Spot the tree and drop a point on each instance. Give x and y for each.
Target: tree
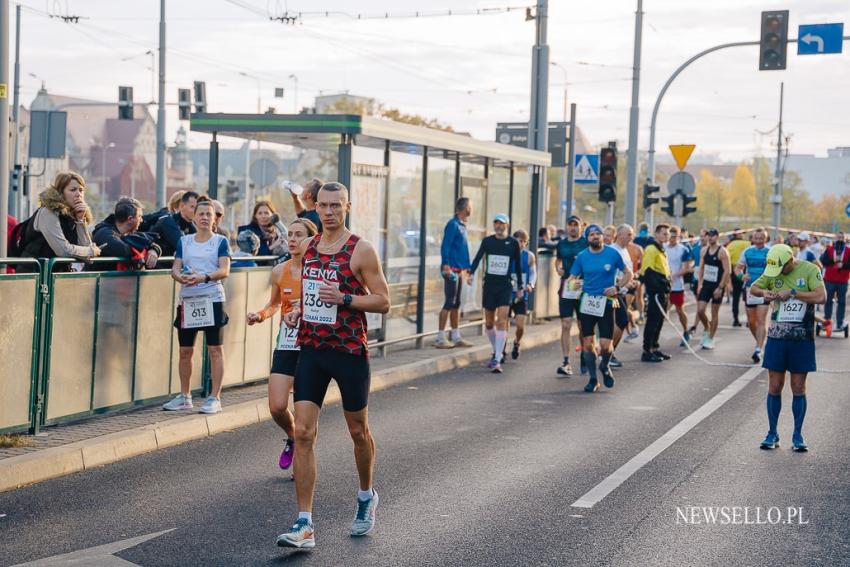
(743, 195)
(712, 195)
(372, 108)
(797, 206)
(764, 187)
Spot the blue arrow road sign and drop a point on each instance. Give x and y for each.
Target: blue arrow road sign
(819, 39)
(586, 169)
(847, 210)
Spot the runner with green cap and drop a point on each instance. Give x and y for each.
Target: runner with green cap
(793, 287)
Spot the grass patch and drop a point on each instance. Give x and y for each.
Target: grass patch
(7, 441)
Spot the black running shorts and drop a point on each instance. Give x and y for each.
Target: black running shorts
(497, 295)
(706, 294)
(285, 362)
(214, 335)
(605, 324)
(316, 369)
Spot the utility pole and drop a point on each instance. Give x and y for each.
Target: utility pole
(632, 167)
(538, 126)
(777, 185)
(160, 114)
(4, 126)
(572, 160)
(16, 94)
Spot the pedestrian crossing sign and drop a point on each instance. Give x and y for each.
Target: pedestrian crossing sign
(586, 169)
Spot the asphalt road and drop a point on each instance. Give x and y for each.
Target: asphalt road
(481, 469)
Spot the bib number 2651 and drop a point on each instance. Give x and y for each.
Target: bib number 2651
(316, 310)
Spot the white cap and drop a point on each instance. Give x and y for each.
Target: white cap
(804, 236)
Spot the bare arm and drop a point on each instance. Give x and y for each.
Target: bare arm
(367, 268)
(274, 301)
(727, 274)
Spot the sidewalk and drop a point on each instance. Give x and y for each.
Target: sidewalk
(112, 437)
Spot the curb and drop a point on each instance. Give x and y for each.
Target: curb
(47, 464)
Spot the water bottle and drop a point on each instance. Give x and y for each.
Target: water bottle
(293, 187)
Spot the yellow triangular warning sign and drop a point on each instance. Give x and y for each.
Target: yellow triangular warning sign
(682, 153)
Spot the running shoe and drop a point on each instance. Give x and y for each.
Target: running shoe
(592, 386)
(827, 327)
(615, 362)
(462, 343)
(300, 535)
(565, 370)
(443, 343)
(771, 441)
(709, 344)
(492, 364)
(607, 379)
(797, 443)
(736, 323)
(757, 356)
(634, 334)
(650, 357)
(287, 454)
(686, 338)
(497, 369)
(211, 405)
(504, 357)
(181, 402)
(662, 356)
(515, 351)
(364, 520)
(705, 338)
(692, 330)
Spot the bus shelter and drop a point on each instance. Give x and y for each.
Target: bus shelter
(403, 182)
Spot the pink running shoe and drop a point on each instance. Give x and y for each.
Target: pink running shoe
(287, 454)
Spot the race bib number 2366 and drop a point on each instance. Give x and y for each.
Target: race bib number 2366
(316, 310)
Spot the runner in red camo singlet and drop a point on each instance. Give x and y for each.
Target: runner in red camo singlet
(341, 281)
(348, 332)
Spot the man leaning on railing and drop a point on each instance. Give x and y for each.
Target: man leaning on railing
(118, 236)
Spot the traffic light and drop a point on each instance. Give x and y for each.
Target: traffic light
(686, 200)
(648, 199)
(15, 179)
(608, 174)
(669, 205)
(125, 103)
(200, 96)
(184, 104)
(773, 47)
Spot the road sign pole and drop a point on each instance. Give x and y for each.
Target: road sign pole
(571, 164)
(160, 114)
(777, 186)
(538, 126)
(632, 167)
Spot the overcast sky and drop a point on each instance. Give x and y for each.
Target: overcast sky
(467, 71)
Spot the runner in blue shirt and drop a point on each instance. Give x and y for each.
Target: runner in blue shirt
(750, 268)
(597, 266)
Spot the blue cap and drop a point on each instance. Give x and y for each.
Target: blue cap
(592, 228)
(501, 217)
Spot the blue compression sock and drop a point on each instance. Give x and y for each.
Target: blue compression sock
(774, 406)
(798, 407)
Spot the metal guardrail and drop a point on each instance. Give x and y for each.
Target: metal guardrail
(101, 341)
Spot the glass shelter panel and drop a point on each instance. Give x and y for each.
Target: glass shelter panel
(403, 230)
(521, 213)
(440, 207)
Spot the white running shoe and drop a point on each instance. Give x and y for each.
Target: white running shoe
(300, 535)
(364, 520)
(211, 405)
(181, 402)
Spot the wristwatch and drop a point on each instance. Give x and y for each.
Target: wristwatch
(793, 292)
(346, 300)
(207, 278)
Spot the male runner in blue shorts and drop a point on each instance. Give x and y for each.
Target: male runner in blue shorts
(794, 287)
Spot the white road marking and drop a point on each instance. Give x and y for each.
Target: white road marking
(621, 475)
(100, 556)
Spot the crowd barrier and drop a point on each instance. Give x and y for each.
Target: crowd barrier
(74, 344)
